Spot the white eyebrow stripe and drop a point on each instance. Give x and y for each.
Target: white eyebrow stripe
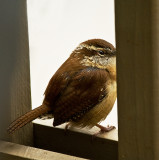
(81, 46)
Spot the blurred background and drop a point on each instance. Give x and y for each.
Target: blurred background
(56, 27)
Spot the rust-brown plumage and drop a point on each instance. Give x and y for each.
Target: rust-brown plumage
(84, 83)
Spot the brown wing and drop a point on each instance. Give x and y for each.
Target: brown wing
(84, 91)
(60, 81)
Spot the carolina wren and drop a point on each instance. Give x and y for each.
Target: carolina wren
(82, 91)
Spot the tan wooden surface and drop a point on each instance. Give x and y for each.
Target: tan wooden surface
(77, 142)
(12, 151)
(15, 96)
(137, 39)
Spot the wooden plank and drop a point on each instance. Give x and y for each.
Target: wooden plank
(14, 68)
(19, 152)
(137, 39)
(76, 142)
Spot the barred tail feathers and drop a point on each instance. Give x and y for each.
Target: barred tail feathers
(27, 117)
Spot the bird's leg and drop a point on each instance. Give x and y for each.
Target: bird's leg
(103, 129)
(67, 126)
(46, 116)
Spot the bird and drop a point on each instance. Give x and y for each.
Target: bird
(82, 91)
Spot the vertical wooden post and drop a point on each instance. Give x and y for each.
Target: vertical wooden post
(15, 98)
(137, 37)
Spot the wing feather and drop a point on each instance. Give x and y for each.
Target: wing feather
(84, 91)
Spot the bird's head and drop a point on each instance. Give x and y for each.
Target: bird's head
(96, 53)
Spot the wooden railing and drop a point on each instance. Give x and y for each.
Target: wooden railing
(137, 38)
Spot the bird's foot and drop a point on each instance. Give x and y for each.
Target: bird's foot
(103, 129)
(66, 128)
(45, 116)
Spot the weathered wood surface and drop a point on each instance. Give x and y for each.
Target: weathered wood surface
(77, 142)
(137, 41)
(15, 98)
(12, 151)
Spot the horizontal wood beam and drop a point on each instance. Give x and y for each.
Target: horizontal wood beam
(12, 151)
(77, 142)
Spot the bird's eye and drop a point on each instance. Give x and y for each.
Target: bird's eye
(101, 53)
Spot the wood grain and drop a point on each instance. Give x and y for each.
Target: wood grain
(15, 97)
(20, 152)
(137, 39)
(76, 142)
